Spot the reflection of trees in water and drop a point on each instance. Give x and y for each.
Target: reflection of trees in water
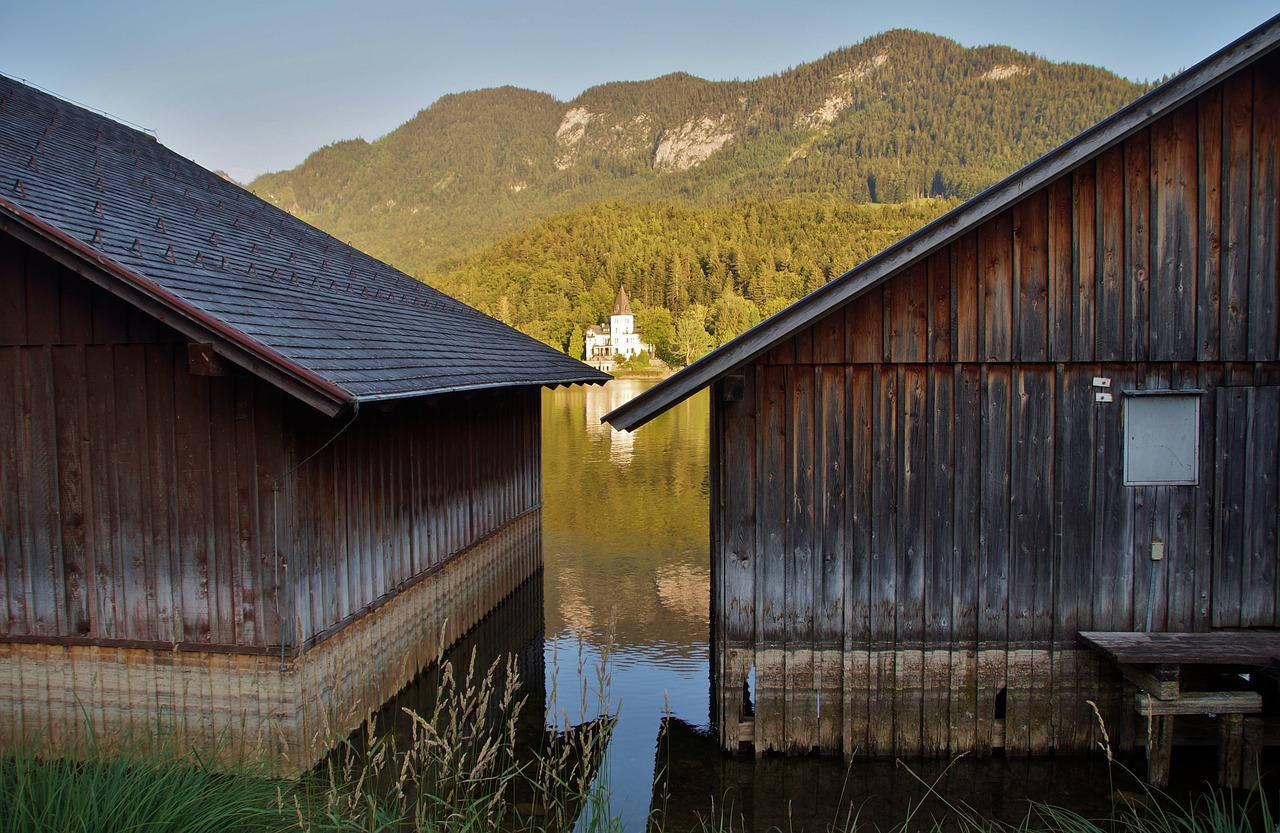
(684, 590)
(575, 612)
(628, 536)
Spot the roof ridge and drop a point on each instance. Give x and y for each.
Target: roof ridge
(123, 122)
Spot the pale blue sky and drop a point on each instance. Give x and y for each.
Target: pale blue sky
(249, 86)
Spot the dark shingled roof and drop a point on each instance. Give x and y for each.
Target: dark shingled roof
(288, 302)
(916, 247)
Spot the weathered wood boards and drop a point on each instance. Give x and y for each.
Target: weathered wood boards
(1154, 663)
(940, 492)
(249, 705)
(1235, 647)
(172, 502)
(169, 539)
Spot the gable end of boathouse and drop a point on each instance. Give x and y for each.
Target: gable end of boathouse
(1053, 410)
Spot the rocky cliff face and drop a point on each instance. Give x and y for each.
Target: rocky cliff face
(583, 134)
(690, 143)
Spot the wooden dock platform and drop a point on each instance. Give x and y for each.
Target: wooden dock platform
(1225, 647)
(1154, 665)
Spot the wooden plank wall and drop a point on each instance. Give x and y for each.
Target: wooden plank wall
(124, 475)
(413, 487)
(137, 499)
(1162, 249)
(246, 706)
(980, 518)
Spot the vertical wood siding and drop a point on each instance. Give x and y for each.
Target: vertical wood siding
(979, 516)
(239, 706)
(144, 505)
(920, 502)
(401, 496)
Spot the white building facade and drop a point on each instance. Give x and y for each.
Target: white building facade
(605, 344)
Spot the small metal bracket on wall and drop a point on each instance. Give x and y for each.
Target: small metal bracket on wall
(1102, 389)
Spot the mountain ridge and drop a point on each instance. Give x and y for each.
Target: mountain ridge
(899, 116)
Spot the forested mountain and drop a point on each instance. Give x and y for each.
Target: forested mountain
(901, 115)
(696, 277)
(710, 167)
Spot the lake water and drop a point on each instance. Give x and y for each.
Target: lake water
(627, 574)
(626, 541)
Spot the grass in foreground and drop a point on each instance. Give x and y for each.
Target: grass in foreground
(460, 769)
(457, 770)
(133, 789)
(1215, 812)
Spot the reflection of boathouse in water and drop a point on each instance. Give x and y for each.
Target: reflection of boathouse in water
(1053, 410)
(248, 473)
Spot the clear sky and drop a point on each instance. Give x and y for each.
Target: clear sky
(249, 86)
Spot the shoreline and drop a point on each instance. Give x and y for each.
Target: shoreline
(644, 375)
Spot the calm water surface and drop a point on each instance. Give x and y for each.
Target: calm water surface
(627, 574)
(626, 541)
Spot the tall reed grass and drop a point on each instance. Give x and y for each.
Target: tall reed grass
(1214, 811)
(465, 767)
(462, 767)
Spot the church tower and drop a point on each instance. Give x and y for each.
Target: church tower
(622, 322)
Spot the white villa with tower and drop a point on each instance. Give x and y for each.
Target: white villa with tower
(605, 343)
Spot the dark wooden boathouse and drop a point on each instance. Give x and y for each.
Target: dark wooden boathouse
(1053, 410)
(251, 479)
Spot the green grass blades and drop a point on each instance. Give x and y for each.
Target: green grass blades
(138, 787)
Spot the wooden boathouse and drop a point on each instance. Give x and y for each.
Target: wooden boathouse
(1052, 411)
(249, 476)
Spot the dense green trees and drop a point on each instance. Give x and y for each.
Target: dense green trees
(692, 340)
(696, 277)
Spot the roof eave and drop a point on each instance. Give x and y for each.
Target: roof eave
(965, 217)
(170, 309)
(448, 389)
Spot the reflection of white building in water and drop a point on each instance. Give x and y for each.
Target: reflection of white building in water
(617, 338)
(602, 400)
